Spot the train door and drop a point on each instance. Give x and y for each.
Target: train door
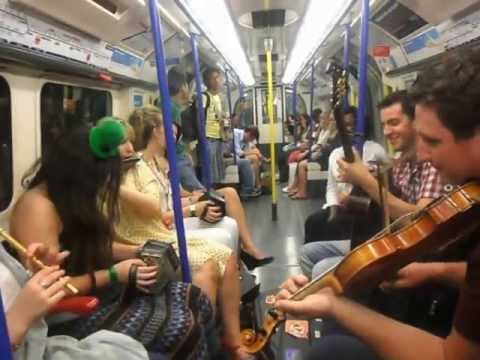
(263, 122)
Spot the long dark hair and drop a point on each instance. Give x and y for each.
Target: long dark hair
(84, 190)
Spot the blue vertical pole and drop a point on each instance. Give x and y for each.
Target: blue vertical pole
(5, 347)
(312, 88)
(167, 121)
(346, 57)
(312, 92)
(241, 88)
(229, 93)
(202, 138)
(229, 99)
(294, 111)
(362, 71)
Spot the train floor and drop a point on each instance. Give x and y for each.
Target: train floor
(281, 239)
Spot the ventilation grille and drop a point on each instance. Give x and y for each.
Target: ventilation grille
(268, 18)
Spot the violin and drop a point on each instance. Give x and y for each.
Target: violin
(442, 223)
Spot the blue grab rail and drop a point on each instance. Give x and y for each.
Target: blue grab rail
(5, 348)
(346, 57)
(202, 139)
(171, 151)
(229, 98)
(363, 76)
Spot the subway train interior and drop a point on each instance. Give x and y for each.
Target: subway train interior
(222, 139)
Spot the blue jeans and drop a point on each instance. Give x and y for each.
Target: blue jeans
(215, 151)
(247, 178)
(186, 172)
(318, 257)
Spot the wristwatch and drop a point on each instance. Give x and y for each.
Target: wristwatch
(193, 211)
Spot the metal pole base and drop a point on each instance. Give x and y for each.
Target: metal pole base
(274, 212)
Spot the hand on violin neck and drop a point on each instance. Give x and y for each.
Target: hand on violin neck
(313, 306)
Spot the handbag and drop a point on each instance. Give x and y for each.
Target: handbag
(161, 254)
(217, 199)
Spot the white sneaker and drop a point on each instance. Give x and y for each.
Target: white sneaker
(285, 190)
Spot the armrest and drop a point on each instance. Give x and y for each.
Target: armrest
(80, 305)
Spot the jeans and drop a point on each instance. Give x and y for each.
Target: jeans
(186, 171)
(247, 178)
(215, 151)
(317, 227)
(320, 256)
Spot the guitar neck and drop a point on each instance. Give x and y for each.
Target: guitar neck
(345, 139)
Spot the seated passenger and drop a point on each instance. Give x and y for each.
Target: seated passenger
(245, 148)
(71, 204)
(27, 301)
(304, 131)
(318, 256)
(325, 141)
(146, 205)
(178, 89)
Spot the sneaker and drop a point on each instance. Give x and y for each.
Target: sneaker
(285, 190)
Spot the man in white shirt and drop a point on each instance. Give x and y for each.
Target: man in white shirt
(318, 256)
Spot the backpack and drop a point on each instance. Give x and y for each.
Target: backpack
(190, 125)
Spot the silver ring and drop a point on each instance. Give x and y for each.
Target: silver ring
(44, 285)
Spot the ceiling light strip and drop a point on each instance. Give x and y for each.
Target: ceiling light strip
(310, 37)
(212, 18)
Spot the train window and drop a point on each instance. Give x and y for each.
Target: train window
(262, 104)
(244, 108)
(6, 167)
(301, 106)
(65, 107)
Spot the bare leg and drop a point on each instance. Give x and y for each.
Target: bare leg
(293, 188)
(229, 302)
(235, 210)
(302, 179)
(255, 161)
(208, 279)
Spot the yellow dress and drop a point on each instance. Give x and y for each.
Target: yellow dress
(136, 229)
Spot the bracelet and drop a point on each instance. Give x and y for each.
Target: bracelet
(113, 274)
(93, 281)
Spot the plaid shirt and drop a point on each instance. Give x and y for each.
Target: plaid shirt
(415, 180)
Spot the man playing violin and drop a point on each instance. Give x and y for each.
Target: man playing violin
(447, 121)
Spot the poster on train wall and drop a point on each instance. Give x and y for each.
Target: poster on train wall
(50, 36)
(445, 36)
